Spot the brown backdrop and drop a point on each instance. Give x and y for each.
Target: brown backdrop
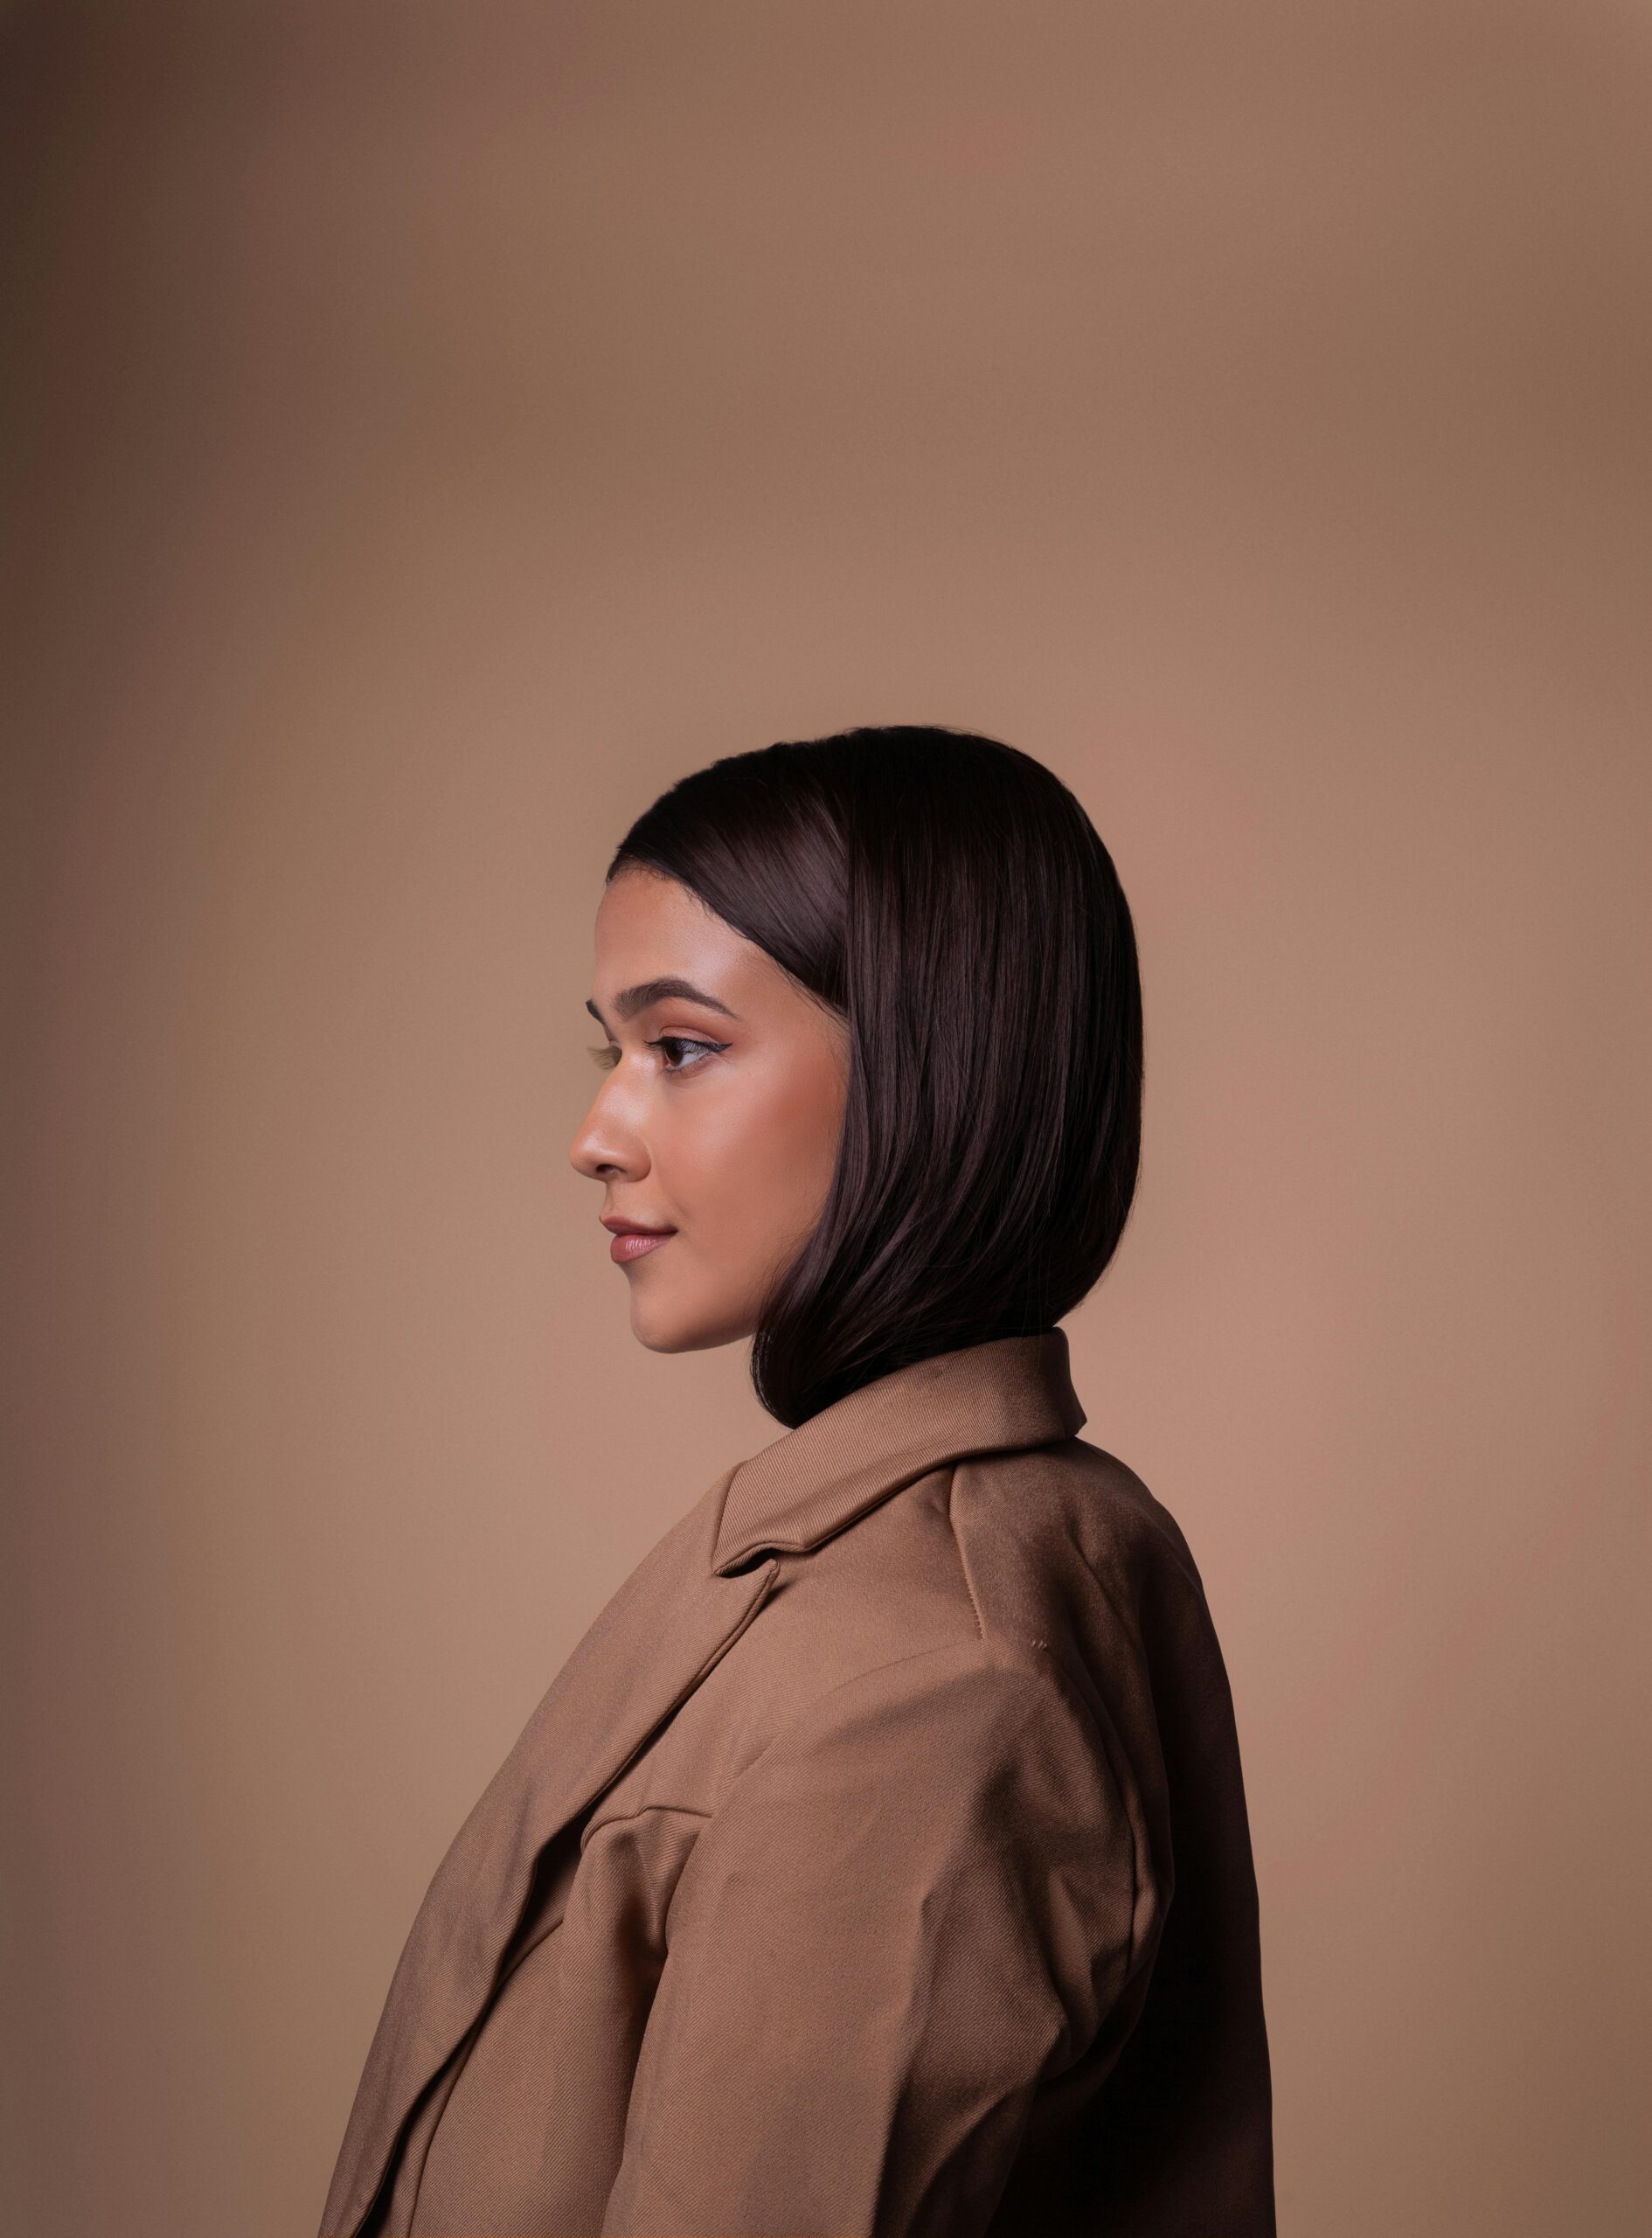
(435, 429)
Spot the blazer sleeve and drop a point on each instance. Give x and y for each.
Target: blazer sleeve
(917, 1901)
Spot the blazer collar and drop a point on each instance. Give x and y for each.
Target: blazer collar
(993, 1397)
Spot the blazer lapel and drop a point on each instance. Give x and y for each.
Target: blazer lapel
(653, 1644)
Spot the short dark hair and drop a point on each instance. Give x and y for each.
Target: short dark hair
(948, 897)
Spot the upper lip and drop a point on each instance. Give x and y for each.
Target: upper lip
(620, 1227)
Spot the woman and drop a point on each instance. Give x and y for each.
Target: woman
(878, 1861)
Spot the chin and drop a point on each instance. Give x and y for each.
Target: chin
(659, 1328)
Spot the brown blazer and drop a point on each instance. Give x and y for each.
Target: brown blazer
(877, 1864)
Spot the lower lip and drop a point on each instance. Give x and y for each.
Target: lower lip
(624, 1248)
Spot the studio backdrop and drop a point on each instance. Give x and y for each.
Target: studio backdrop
(432, 429)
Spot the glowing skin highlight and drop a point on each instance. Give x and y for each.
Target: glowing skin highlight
(718, 1114)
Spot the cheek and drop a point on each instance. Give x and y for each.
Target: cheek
(760, 1158)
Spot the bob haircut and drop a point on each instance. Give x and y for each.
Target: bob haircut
(948, 898)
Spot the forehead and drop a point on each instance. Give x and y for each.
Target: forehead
(648, 927)
(641, 909)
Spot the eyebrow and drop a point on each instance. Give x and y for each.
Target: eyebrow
(630, 1000)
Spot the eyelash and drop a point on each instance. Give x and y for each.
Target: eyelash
(607, 1057)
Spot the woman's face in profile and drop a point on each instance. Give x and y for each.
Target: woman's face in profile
(719, 1115)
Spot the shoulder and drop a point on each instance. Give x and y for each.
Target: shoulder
(1054, 1523)
(1075, 1490)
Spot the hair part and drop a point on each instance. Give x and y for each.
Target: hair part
(949, 899)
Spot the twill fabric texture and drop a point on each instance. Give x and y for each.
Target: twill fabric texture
(878, 1866)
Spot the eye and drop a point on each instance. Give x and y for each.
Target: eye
(606, 1057)
(681, 1041)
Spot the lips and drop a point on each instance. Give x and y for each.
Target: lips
(626, 1248)
(633, 1241)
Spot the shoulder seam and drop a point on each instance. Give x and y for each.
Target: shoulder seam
(957, 1545)
(1108, 1745)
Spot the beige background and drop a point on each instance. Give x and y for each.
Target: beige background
(432, 430)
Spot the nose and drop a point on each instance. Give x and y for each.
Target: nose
(605, 1150)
